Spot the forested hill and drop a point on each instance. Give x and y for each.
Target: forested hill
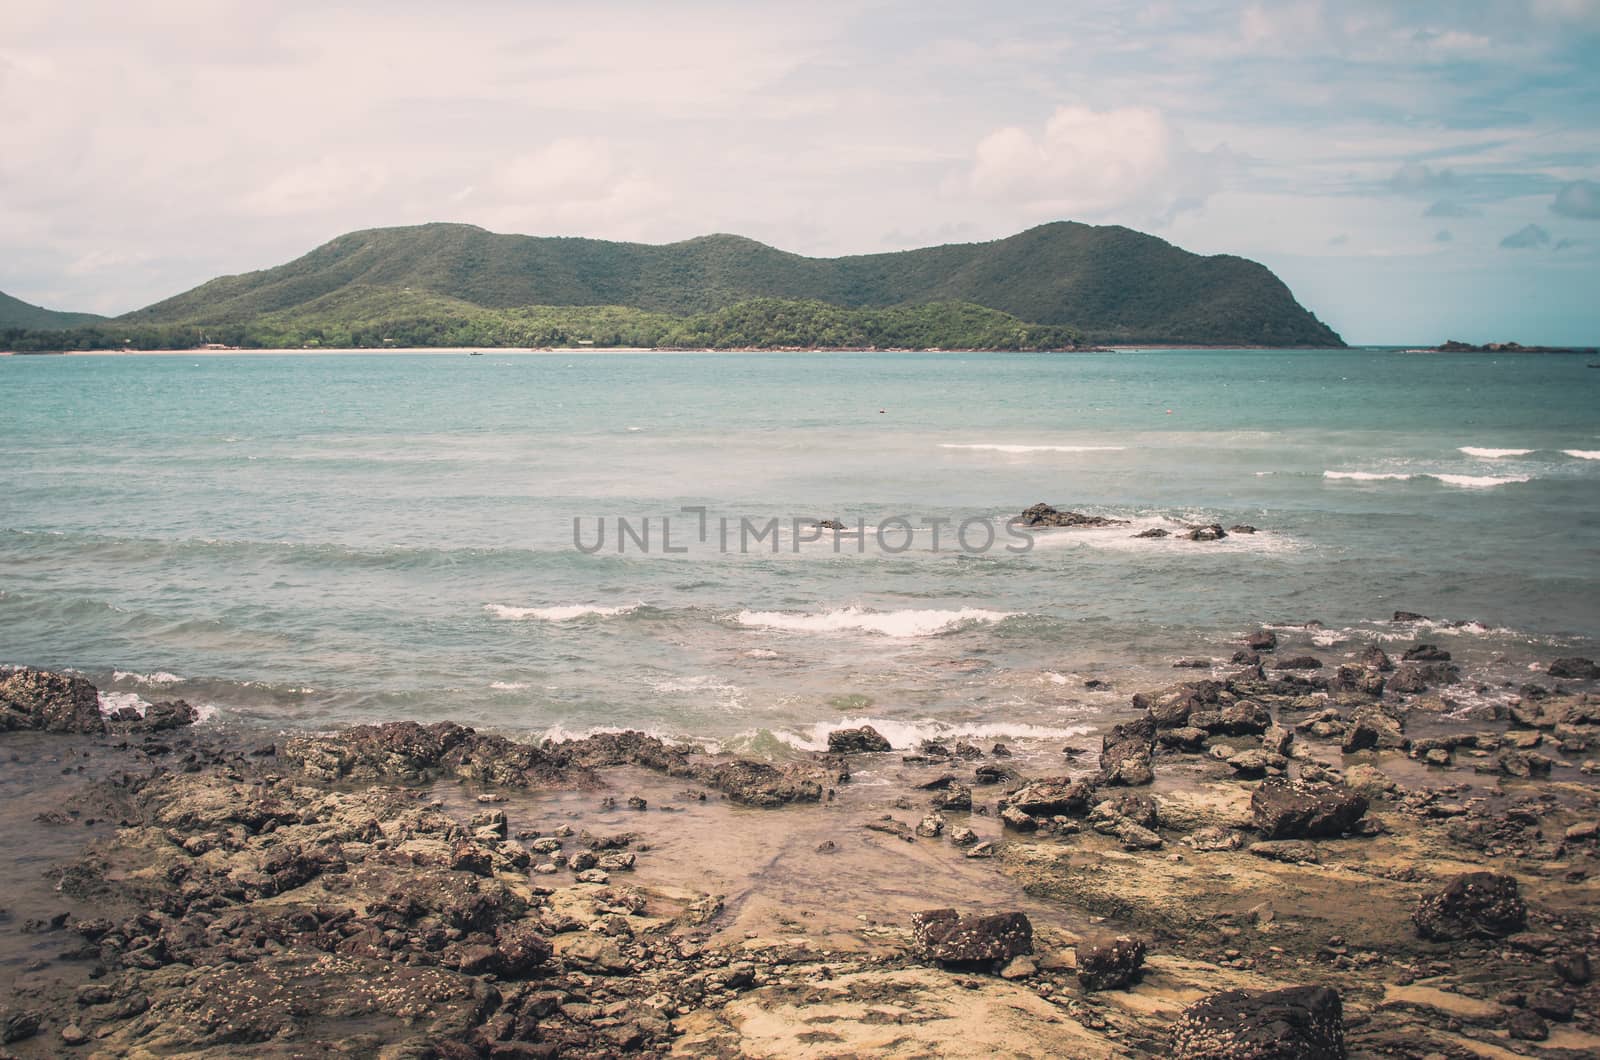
(1109, 284)
(15, 313)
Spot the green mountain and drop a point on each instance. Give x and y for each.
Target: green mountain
(15, 313)
(1109, 284)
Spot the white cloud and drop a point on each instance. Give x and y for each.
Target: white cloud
(325, 184)
(1090, 164)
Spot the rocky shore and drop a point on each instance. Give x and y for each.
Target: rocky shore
(1293, 856)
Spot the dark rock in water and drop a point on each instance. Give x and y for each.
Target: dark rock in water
(1375, 658)
(1192, 664)
(1298, 662)
(1052, 797)
(1374, 728)
(1262, 640)
(864, 740)
(1246, 657)
(829, 524)
(1126, 751)
(1573, 967)
(1045, 515)
(760, 784)
(1425, 653)
(1110, 964)
(1154, 531)
(38, 699)
(992, 774)
(1416, 677)
(1356, 679)
(1241, 528)
(1298, 1023)
(948, 937)
(1474, 905)
(1284, 810)
(1574, 668)
(955, 796)
(1209, 532)
(159, 717)
(1409, 616)
(1184, 738)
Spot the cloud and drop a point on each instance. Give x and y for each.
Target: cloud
(1449, 208)
(1089, 163)
(1579, 199)
(329, 183)
(1414, 177)
(1444, 235)
(1526, 238)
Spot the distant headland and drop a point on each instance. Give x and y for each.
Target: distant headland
(1456, 346)
(1058, 286)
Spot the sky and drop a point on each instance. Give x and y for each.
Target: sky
(1414, 171)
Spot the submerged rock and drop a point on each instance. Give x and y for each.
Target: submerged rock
(1473, 905)
(1208, 532)
(1043, 515)
(1297, 1023)
(1574, 668)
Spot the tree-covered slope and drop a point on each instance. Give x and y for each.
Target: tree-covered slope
(15, 313)
(1111, 283)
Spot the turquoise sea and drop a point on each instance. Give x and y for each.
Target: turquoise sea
(310, 540)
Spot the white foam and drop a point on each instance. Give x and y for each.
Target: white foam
(508, 686)
(906, 735)
(1583, 454)
(1492, 454)
(111, 702)
(206, 712)
(1366, 476)
(1480, 482)
(1020, 449)
(563, 613)
(910, 623)
(160, 677)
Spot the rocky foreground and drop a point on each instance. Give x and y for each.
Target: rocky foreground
(1286, 858)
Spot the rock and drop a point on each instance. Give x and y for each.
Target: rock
(1019, 967)
(1246, 657)
(1255, 762)
(1016, 819)
(589, 952)
(828, 524)
(1242, 528)
(1298, 662)
(1552, 1005)
(1297, 1023)
(39, 699)
(1410, 616)
(1052, 797)
(1043, 515)
(760, 784)
(1277, 740)
(19, 1025)
(1375, 658)
(864, 740)
(1425, 653)
(1473, 905)
(1243, 718)
(963, 837)
(1192, 664)
(1213, 838)
(948, 937)
(1262, 640)
(1283, 810)
(72, 1035)
(931, 826)
(1292, 851)
(1414, 677)
(955, 796)
(1356, 679)
(1573, 967)
(1154, 531)
(1126, 751)
(1187, 738)
(466, 856)
(1574, 668)
(1208, 532)
(519, 950)
(1527, 1026)
(1372, 728)
(1111, 963)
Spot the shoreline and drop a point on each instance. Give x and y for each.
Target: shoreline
(452, 890)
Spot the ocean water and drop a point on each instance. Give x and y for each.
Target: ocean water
(311, 540)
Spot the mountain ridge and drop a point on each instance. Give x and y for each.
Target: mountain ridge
(15, 313)
(1109, 283)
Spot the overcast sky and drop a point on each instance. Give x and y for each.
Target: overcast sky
(1414, 171)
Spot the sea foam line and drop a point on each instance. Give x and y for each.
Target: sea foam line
(1491, 454)
(1017, 449)
(909, 623)
(563, 613)
(1583, 454)
(906, 735)
(1460, 481)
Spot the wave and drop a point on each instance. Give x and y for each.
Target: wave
(508, 686)
(1491, 454)
(909, 623)
(1018, 449)
(1475, 482)
(563, 613)
(906, 735)
(160, 677)
(111, 702)
(1583, 454)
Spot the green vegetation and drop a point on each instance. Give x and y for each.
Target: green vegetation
(450, 284)
(378, 317)
(15, 313)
